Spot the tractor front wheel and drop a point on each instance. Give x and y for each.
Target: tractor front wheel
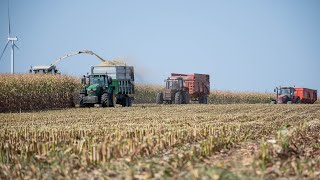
(105, 100)
(178, 98)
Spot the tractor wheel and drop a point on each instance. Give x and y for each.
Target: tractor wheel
(178, 98)
(105, 100)
(159, 98)
(298, 101)
(81, 104)
(186, 98)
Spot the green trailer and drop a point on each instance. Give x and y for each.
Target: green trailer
(107, 86)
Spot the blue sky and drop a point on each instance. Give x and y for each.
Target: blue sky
(244, 45)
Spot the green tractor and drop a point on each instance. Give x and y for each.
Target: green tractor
(113, 85)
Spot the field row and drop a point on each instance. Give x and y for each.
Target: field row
(156, 141)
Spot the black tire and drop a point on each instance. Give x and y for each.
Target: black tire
(205, 99)
(81, 104)
(298, 101)
(178, 98)
(186, 98)
(126, 102)
(159, 98)
(105, 100)
(201, 100)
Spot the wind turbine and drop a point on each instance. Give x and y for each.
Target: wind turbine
(10, 40)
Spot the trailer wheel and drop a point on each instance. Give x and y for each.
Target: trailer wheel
(81, 104)
(159, 98)
(105, 100)
(126, 102)
(298, 101)
(205, 99)
(178, 98)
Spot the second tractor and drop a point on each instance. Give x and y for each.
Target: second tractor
(183, 88)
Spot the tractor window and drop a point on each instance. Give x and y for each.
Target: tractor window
(180, 84)
(97, 80)
(173, 84)
(284, 92)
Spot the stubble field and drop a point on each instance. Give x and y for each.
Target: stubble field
(147, 141)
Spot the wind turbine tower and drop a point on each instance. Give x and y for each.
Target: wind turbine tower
(11, 40)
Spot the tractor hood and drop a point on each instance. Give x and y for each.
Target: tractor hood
(283, 99)
(93, 87)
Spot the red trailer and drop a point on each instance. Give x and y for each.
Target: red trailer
(181, 88)
(306, 96)
(289, 95)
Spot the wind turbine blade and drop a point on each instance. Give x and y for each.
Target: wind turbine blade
(9, 25)
(16, 46)
(4, 50)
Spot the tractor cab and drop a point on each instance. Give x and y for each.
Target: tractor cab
(285, 95)
(97, 89)
(97, 84)
(286, 91)
(175, 92)
(175, 84)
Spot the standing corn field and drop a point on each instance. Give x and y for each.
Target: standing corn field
(34, 92)
(22, 92)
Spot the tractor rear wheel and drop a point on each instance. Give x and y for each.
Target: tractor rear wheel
(105, 100)
(178, 98)
(186, 97)
(159, 98)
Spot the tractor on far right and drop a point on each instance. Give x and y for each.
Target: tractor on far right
(294, 95)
